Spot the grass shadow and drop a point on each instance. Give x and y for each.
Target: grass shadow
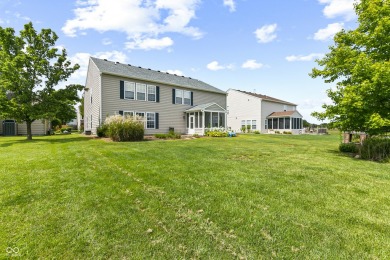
(42, 139)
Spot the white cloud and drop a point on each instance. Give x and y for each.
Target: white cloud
(309, 57)
(266, 33)
(328, 32)
(82, 58)
(251, 64)
(137, 18)
(214, 65)
(231, 4)
(177, 72)
(337, 8)
(148, 44)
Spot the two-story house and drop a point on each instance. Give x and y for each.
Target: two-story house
(262, 113)
(162, 100)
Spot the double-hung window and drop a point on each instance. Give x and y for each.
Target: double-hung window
(141, 91)
(128, 114)
(151, 93)
(129, 90)
(179, 96)
(187, 97)
(254, 125)
(150, 120)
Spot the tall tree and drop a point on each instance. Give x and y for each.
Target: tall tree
(30, 69)
(358, 63)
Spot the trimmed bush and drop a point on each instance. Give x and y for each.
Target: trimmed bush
(102, 130)
(376, 149)
(217, 132)
(121, 129)
(348, 148)
(170, 135)
(257, 132)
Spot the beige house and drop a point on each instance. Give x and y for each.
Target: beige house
(261, 113)
(9, 127)
(164, 101)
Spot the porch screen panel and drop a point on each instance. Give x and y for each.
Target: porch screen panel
(207, 120)
(270, 124)
(281, 123)
(222, 120)
(275, 123)
(196, 119)
(287, 123)
(200, 119)
(214, 119)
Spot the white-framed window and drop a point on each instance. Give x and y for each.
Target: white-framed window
(129, 90)
(187, 97)
(150, 120)
(254, 124)
(141, 91)
(182, 97)
(129, 114)
(179, 96)
(151, 93)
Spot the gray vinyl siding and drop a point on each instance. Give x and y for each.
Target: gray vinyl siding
(93, 83)
(170, 115)
(38, 127)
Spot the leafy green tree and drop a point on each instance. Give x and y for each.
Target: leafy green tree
(306, 123)
(30, 69)
(358, 63)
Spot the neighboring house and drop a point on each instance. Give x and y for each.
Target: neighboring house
(9, 127)
(163, 100)
(262, 113)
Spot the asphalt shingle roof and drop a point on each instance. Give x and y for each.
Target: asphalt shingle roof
(267, 98)
(283, 113)
(127, 70)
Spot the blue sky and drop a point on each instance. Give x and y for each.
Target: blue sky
(266, 46)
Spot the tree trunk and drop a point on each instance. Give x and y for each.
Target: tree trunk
(29, 132)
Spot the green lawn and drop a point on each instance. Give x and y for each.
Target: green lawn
(250, 197)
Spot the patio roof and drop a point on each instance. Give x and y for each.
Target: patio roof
(283, 114)
(214, 107)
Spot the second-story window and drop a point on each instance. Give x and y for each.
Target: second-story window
(179, 96)
(151, 93)
(129, 90)
(141, 91)
(187, 97)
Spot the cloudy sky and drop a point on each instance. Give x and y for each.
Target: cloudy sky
(263, 46)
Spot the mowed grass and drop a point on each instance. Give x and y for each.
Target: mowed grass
(250, 197)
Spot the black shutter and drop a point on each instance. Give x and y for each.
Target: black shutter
(192, 98)
(122, 89)
(173, 96)
(121, 112)
(156, 118)
(157, 94)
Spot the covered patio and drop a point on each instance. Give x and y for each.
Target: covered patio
(203, 117)
(289, 121)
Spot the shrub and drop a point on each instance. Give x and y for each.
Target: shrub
(101, 131)
(217, 132)
(121, 129)
(277, 132)
(376, 149)
(196, 135)
(248, 128)
(170, 135)
(257, 132)
(287, 132)
(348, 148)
(243, 129)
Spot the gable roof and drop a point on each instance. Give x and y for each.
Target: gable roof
(266, 98)
(206, 107)
(283, 113)
(129, 71)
